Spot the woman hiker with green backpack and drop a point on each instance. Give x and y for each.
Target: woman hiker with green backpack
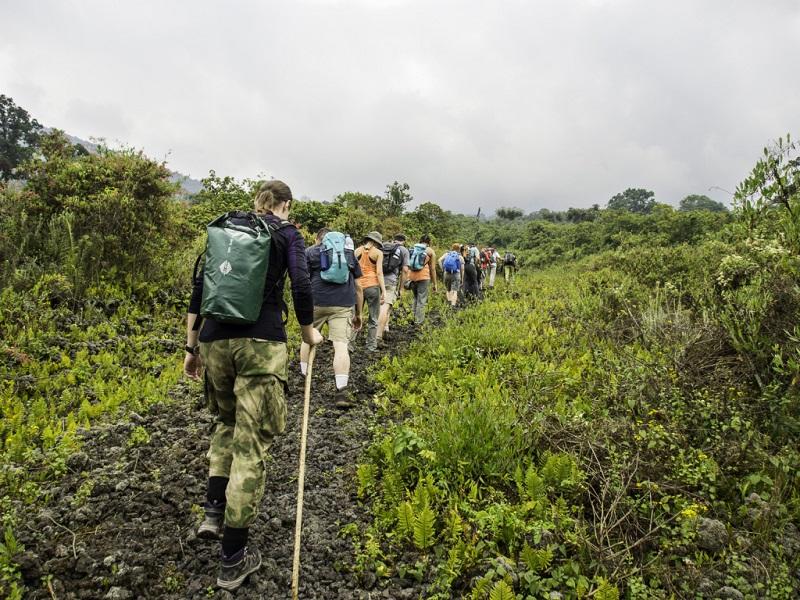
(245, 366)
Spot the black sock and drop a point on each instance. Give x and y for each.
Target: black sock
(233, 540)
(215, 495)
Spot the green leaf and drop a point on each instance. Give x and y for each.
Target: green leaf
(422, 498)
(502, 591)
(405, 518)
(605, 590)
(534, 485)
(423, 528)
(536, 559)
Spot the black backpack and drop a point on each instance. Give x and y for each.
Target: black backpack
(392, 258)
(510, 259)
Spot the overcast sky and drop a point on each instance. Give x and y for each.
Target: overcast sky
(474, 103)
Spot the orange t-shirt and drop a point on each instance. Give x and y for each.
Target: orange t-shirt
(369, 269)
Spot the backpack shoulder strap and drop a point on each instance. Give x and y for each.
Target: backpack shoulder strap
(196, 265)
(278, 226)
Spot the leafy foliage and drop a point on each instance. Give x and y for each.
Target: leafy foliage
(106, 216)
(219, 195)
(19, 137)
(423, 528)
(701, 202)
(635, 200)
(509, 213)
(502, 591)
(643, 391)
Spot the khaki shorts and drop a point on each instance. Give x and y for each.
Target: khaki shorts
(391, 295)
(339, 320)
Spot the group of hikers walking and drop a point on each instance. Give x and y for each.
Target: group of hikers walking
(469, 271)
(236, 336)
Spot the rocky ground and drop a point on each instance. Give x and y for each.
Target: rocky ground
(121, 524)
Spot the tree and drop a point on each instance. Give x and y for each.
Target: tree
(397, 196)
(19, 136)
(430, 218)
(635, 200)
(579, 215)
(701, 202)
(104, 216)
(509, 213)
(219, 195)
(360, 201)
(355, 222)
(314, 215)
(770, 196)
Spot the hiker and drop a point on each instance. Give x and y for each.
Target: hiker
(336, 283)
(370, 257)
(495, 258)
(486, 261)
(421, 275)
(472, 288)
(395, 272)
(452, 265)
(473, 257)
(245, 376)
(509, 266)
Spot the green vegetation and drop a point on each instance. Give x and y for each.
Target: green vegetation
(701, 202)
(93, 292)
(19, 135)
(622, 426)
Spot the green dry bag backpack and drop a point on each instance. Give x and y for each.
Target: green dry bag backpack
(237, 259)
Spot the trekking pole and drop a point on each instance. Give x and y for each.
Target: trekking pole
(301, 478)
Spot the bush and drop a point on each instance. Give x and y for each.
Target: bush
(100, 216)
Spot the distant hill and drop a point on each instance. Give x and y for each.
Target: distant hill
(189, 186)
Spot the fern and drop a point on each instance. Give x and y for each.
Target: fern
(366, 478)
(519, 481)
(534, 485)
(474, 492)
(423, 528)
(455, 524)
(561, 470)
(502, 591)
(536, 559)
(422, 497)
(405, 518)
(605, 590)
(479, 591)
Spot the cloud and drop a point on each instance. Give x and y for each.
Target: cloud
(547, 104)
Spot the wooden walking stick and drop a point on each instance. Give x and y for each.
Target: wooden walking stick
(301, 478)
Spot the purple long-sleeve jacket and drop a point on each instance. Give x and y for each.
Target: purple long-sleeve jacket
(287, 254)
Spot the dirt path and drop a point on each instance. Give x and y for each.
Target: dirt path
(120, 525)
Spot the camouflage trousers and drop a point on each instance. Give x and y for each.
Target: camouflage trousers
(245, 383)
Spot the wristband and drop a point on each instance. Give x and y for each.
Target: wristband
(192, 349)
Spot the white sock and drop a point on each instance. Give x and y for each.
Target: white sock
(303, 367)
(341, 381)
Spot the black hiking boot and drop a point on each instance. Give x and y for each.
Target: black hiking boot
(234, 571)
(342, 399)
(211, 527)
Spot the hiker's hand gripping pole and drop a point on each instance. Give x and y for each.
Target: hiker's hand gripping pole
(301, 477)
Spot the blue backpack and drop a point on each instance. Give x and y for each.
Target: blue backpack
(416, 261)
(451, 263)
(334, 267)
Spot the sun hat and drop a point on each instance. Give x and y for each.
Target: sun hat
(375, 237)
